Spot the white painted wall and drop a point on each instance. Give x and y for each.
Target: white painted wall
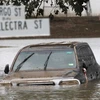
(95, 6)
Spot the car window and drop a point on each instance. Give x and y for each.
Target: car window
(62, 59)
(86, 54)
(45, 60)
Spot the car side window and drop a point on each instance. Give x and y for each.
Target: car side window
(85, 53)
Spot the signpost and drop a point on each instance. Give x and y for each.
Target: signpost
(14, 24)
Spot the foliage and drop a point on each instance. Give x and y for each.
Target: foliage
(33, 7)
(78, 5)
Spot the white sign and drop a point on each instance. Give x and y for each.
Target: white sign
(12, 12)
(30, 27)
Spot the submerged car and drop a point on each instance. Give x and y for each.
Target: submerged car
(53, 63)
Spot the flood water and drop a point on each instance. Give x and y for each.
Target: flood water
(90, 91)
(82, 92)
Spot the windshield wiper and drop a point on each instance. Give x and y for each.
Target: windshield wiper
(46, 62)
(20, 65)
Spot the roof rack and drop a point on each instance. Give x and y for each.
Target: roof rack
(55, 43)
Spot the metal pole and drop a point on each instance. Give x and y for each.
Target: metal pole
(89, 10)
(43, 7)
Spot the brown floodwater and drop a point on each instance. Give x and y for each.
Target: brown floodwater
(90, 91)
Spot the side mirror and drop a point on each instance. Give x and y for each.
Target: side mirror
(6, 70)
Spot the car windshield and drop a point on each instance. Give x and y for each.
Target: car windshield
(45, 60)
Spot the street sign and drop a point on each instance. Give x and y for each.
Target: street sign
(21, 28)
(14, 24)
(12, 12)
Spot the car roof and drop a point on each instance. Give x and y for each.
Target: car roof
(55, 44)
(52, 45)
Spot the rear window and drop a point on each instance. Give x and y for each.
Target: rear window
(45, 60)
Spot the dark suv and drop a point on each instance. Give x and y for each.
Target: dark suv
(53, 64)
